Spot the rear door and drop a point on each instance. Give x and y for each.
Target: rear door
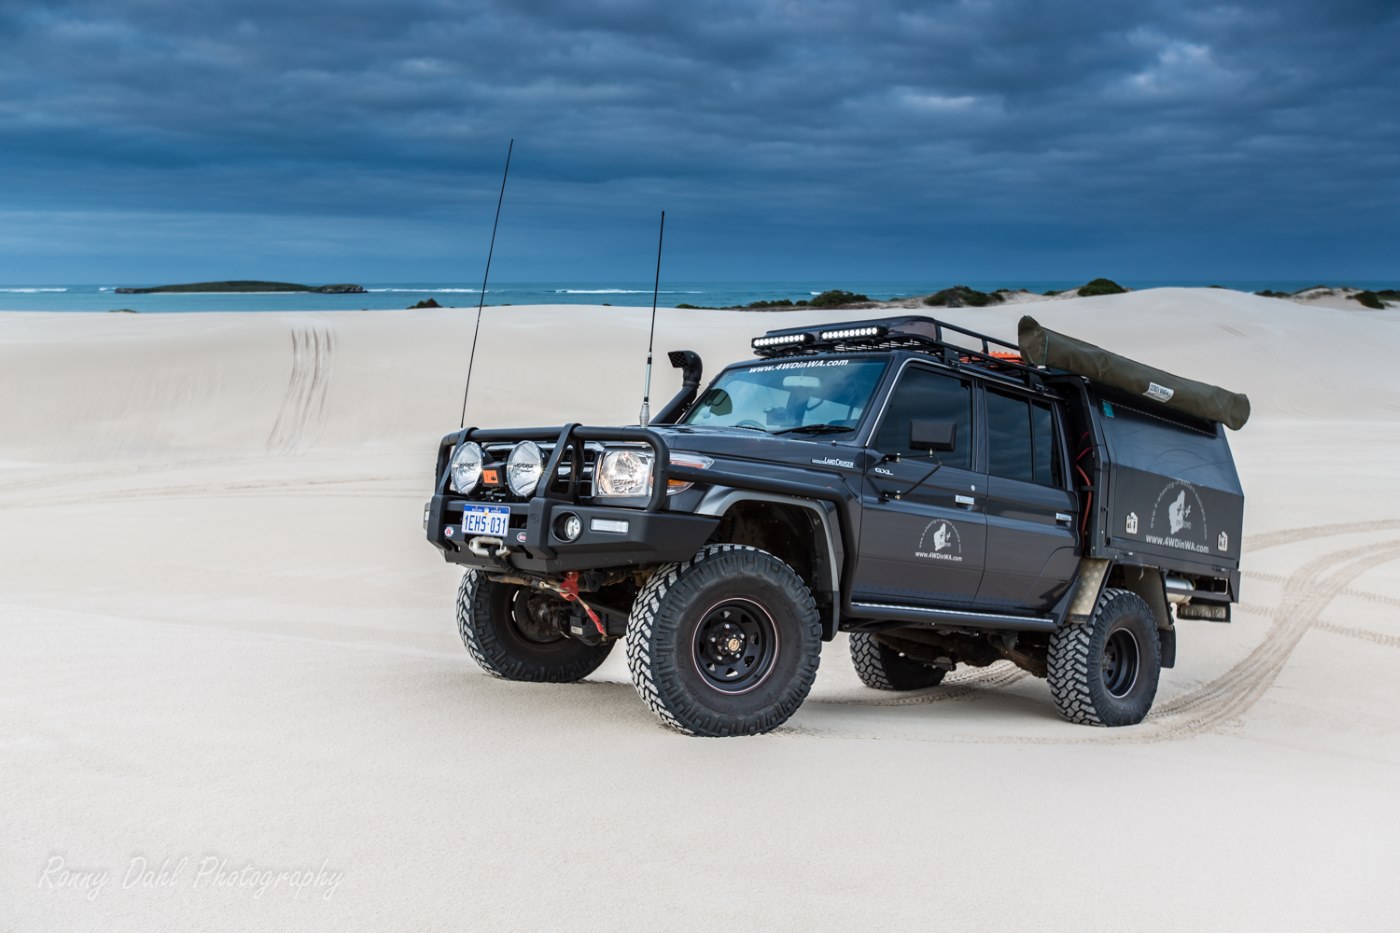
(1030, 512)
(926, 546)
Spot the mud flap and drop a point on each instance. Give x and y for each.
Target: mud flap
(1092, 571)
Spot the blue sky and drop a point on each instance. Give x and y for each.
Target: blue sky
(174, 140)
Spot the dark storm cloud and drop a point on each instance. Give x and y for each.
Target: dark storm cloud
(855, 129)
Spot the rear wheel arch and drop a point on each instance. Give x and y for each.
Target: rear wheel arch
(1148, 583)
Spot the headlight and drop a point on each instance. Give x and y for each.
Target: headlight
(523, 468)
(627, 473)
(466, 467)
(623, 473)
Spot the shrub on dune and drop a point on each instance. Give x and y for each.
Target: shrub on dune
(1369, 299)
(960, 296)
(1101, 287)
(835, 298)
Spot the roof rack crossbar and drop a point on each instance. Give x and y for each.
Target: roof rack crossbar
(921, 334)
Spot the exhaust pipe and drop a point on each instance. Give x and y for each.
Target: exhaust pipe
(1179, 589)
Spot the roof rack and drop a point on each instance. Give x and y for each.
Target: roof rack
(921, 334)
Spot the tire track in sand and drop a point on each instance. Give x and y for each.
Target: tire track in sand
(303, 412)
(1308, 592)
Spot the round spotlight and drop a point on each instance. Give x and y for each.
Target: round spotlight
(568, 526)
(523, 468)
(466, 467)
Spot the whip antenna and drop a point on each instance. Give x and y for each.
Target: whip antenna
(651, 338)
(482, 301)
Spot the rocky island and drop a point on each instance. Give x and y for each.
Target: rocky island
(244, 287)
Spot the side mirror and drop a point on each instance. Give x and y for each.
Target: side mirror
(933, 436)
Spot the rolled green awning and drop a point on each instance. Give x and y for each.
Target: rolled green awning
(1043, 347)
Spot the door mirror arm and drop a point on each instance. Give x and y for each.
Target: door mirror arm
(937, 465)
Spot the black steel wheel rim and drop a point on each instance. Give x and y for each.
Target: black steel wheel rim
(1121, 660)
(735, 646)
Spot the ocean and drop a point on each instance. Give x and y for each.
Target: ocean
(399, 295)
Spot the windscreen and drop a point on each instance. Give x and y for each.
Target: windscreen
(827, 396)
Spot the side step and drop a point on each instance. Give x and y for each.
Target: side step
(961, 618)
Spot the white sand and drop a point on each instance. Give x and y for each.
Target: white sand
(225, 637)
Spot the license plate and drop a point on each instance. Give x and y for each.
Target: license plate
(490, 520)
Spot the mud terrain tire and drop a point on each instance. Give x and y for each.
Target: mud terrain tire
(1104, 672)
(726, 643)
(883, 668)
(502, 642)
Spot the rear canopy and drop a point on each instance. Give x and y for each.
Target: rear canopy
(1043, 347)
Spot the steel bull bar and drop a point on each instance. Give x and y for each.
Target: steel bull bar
(572, 437)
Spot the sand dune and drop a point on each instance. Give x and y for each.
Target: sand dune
(224, 638)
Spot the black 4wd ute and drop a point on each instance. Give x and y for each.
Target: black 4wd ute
(944, 497)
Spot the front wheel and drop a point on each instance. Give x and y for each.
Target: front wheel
(726, 643)
(517, 634)
(1104, 672)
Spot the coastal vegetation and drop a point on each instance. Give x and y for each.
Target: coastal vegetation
(832, 298)
(1101, 287)
(242, 286)
(425, 303)
(962, 296)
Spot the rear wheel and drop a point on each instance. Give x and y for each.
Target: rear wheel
(883, 668)
(518, 634)
(726, 643)
(1104, 672)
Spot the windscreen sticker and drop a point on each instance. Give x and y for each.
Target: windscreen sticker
(805, 364)
(1179, 519)
(940, 541)
(1159, 392)
(1107, 410)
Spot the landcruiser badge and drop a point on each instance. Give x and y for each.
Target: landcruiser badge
(832, 461)
(940, 541)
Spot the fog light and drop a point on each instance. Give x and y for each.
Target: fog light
(568, 526)
(610, 525)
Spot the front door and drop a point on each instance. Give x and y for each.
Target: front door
(923, 535)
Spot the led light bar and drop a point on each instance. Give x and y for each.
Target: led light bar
(781, 340)
(849, 332)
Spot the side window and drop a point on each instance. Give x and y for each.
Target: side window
(1047, 446)
(1009, 437)
(925, 395)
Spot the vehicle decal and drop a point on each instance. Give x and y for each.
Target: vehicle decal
(940, 541)
(805, 364)
(1131, 525)
(1179, 519)
(832, 461)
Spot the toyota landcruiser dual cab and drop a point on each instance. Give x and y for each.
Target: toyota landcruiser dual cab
(944, 497)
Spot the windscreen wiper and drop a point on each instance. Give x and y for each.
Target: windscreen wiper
(816, 429)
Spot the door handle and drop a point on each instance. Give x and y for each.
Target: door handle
(966, 502)
(1064, 518)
